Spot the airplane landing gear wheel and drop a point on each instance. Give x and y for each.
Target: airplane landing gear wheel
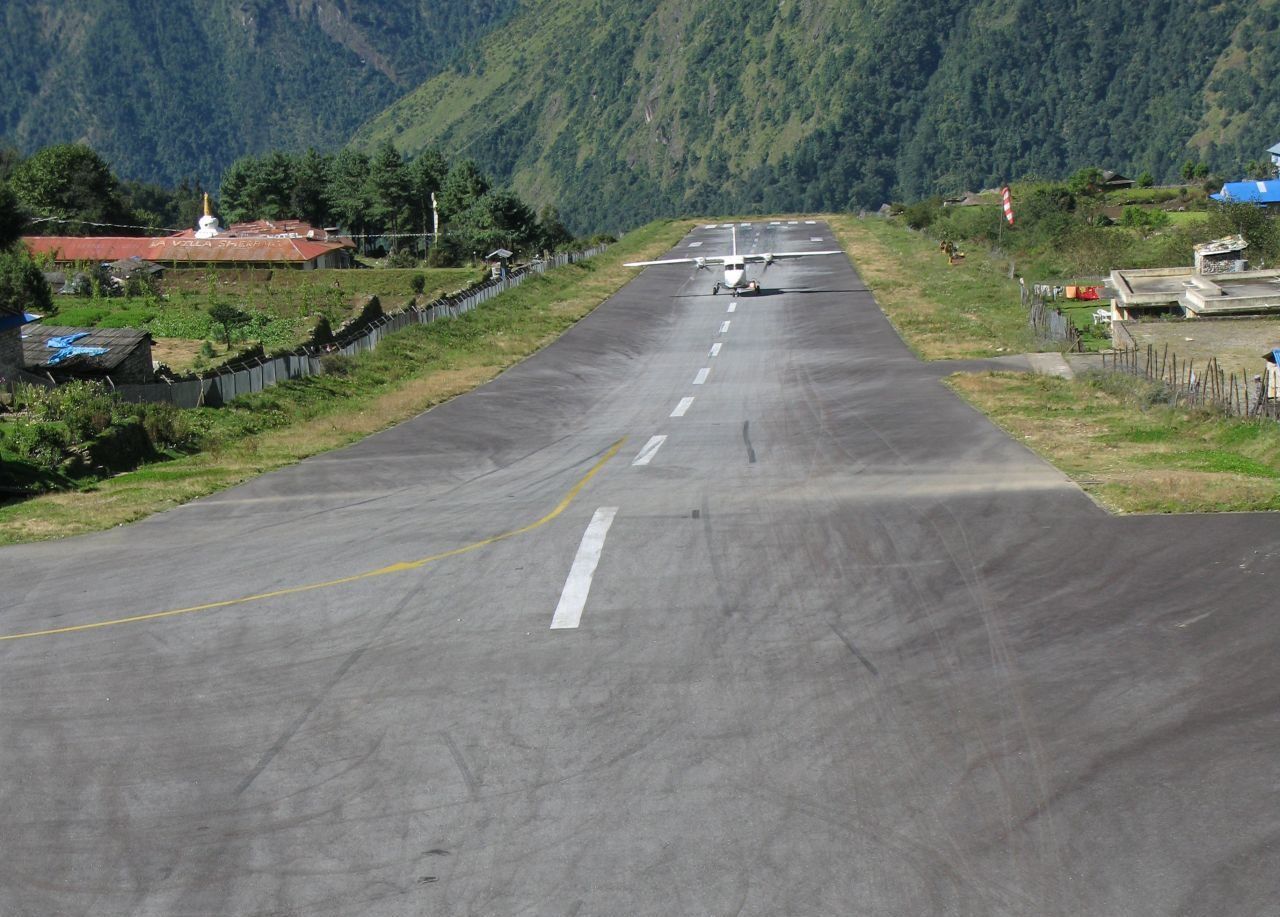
(715, 289)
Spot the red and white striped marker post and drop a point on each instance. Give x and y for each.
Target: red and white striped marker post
(1008, 204)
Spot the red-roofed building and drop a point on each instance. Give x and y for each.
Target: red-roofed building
(280, 244)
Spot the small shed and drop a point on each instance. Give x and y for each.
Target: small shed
(1114, 181)
(1221, 256)
(1274, 152)
(122, 354)
(499, 258)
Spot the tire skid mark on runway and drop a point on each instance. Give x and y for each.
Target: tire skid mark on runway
(1008, 783)
(400, 567)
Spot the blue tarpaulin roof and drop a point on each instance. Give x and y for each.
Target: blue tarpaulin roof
(16, 319)
(1249, 192)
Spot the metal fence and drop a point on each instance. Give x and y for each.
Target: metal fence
(1206, 385)
(230, 382)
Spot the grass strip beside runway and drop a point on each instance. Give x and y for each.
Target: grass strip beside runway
(1132, 455)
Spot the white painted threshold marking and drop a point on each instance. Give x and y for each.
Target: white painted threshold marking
(710, 226)
(695, 244)
(792, 222)
(815, 238)
(684, 405)
(744, 224)
(701, 377)
(724, 327)
(810, 222)
(650, 450)
(775, 222)
(715, 350)
(726, 226)
(733, 307)
(574, 598)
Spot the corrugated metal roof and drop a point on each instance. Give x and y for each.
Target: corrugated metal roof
(119, 342)
(170, 249)
(274, 229)
(1249, 192)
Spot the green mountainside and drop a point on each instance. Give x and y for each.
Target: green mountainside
(620, 112)
(171, 90)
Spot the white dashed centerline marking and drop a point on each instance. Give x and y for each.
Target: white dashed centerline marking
(684, 405)
(815, 238)
(695, 244)
(574, 597)
(733, 307)
(715, 350)
(724, 328)
(650, 450)
(701, 377)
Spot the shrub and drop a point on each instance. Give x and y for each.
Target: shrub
(418, 283)
(84, 408)
(322, 333)
(166, 426)
(402, 259)
(337, 364)
(39, 442)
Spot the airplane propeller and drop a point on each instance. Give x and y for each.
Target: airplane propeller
(701, 263)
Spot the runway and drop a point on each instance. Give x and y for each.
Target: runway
(718, 605)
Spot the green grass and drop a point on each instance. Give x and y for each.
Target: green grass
(284, 305)
(1132, 453)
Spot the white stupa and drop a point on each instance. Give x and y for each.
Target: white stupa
(208, 223)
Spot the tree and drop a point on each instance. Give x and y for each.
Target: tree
(310, 179)
(12, 220)
(22, 285)
(229, 317)
(461, 188)
(348, 191)
(1086, 181)
(1146, 179)
(497, 219)
(234, 200)
(552, 233)
(388, 190)
(270, 187)
(71, 183)
(1258, 227)
(425, 174)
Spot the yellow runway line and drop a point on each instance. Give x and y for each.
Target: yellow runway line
(356, 577)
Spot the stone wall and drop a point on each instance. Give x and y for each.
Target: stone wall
(11, 349)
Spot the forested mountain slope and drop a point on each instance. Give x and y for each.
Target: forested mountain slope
(168, 90)
(624, 111)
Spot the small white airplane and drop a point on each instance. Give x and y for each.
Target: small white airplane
(735, 265)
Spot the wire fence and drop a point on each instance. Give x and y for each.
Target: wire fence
(218, 388)
(1049, 323)
(1206, 385)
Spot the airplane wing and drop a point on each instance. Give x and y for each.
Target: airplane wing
(776, 256)
(709, 259)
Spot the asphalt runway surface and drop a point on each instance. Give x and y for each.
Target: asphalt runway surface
(826, 642)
